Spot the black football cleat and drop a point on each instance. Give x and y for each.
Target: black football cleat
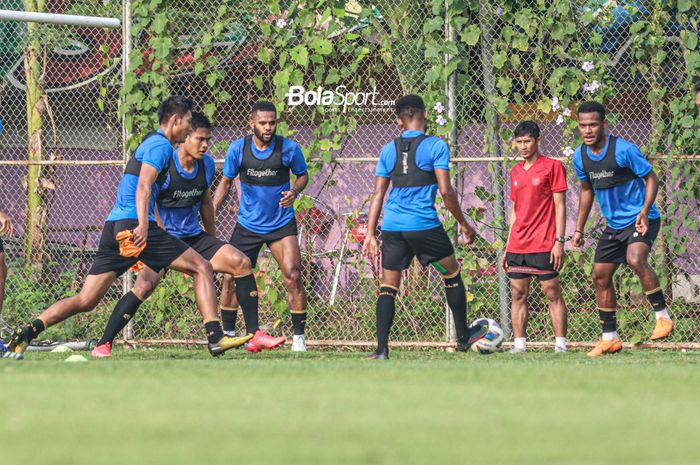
(476, 332)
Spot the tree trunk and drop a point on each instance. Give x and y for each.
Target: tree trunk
(36, 220)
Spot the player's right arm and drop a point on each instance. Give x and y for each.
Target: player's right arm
(511, 220)
(147, 177)
(585, 202)
(230, 171)
(371, 246)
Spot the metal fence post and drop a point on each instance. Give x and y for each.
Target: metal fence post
(451, 92)
(128, 281)
(493, 142)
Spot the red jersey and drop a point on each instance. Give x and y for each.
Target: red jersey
(532, 192)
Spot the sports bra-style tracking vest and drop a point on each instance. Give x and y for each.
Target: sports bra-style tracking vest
(182, 192)
(406, 172)
(268, 172)
(606, 173)
(133, 166)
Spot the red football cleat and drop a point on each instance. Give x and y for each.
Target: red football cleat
(105, 350)
(263, 341)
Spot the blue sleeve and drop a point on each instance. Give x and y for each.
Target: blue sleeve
(295, 159)
(578, 166)
(383, 169)
(232, 163)
(631, 157)
(209, 169)
(441, 155)
(157, 154)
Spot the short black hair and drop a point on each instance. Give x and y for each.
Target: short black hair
(200, 120)
(263, 105)
(409, 106)
(592, 107)
(527, 128)
(175, 105)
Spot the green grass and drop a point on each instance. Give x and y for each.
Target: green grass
(179, 406)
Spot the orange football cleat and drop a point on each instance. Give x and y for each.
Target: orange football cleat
(606, 347)
(663, 329)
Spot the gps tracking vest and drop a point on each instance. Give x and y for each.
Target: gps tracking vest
(605, 173)
(268, 172)
(183, 192)
(406, 173)
(133, 166)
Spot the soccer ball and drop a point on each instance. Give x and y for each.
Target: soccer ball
(492, 340)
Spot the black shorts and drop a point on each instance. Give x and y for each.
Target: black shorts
(250, 242)
(399, 247)
(539, 261)
(613, 243)
(161, 249)
(204, 244)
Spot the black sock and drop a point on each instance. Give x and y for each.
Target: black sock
(228, 318)
(608, 320)
(299, 323)
(386, 308)
(457, 301)
(657, 300)
(247, 294)
(123, 312)
(213, 329)
(34, 329)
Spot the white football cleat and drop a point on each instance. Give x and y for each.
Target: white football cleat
(298, 343)
(559, 349)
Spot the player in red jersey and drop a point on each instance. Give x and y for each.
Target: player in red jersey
(536, 238)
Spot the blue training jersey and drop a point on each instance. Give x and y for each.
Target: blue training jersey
(155, 151)
(259, 210)
(621, 204)
(413, 208)
(184, 221)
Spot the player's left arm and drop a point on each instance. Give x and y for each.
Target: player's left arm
(207, 213)
(652, 188)
(300, 170)
(635, 160)
(556, 257)
(452, 203)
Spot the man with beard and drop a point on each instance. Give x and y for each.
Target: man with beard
(263, 161)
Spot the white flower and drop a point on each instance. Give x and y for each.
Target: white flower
(567, 112)
(441, 121)
(555, 103)
(587, 66)
(560, 120)
(568, 151)
(499, 11)
(281, 23)
(439, 107)
(592, 87)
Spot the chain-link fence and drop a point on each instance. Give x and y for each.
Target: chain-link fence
(59, 201)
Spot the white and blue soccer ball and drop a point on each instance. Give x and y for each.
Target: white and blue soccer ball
(493, 339)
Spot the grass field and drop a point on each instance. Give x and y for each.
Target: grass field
(179, 406)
